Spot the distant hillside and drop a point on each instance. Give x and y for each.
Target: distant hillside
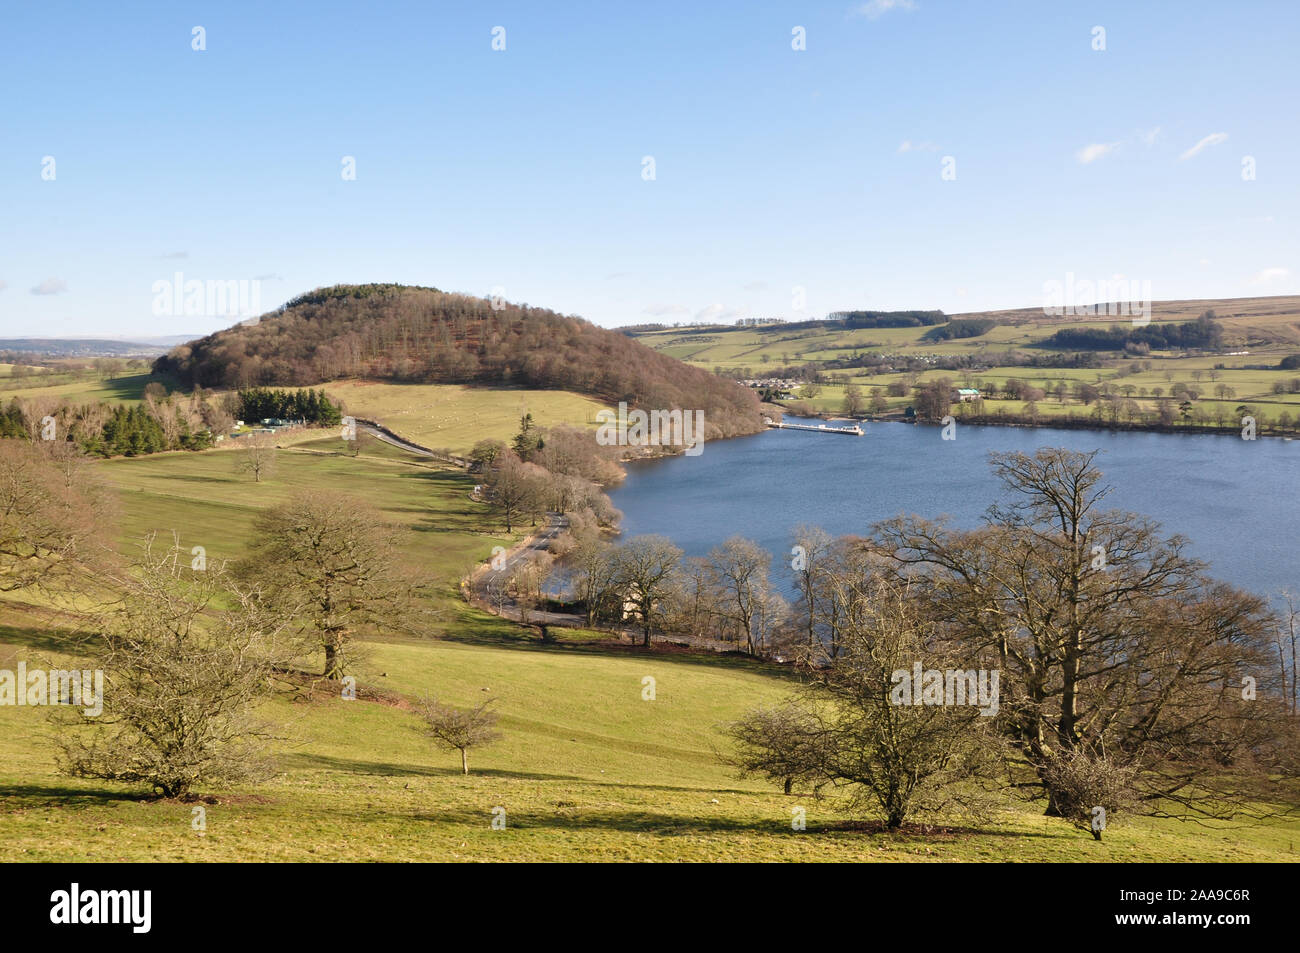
(401, 333)
(78, 347)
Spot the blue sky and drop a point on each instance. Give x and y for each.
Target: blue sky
(522, 169)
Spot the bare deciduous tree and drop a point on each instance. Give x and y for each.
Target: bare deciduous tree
(256, 456)
(1091, 790)
(849, 729)
(332, 558)
(741, 567)
(53, 513)
(459, 729)
(517, 489)
(811, 548)
(186, 660)
(1109, 637)
(643, 571)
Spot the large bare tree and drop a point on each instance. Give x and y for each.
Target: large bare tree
(54, 513)
(333, 559)
(1110, 638)
(644, 567)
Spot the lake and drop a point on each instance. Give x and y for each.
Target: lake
(1236, 500)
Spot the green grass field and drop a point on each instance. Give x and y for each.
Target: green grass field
(455, 417)
(202, 496)
(78, 388)
(587, 769)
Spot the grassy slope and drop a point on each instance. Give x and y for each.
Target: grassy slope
(587, 769)
(454, 417)
(212, 505)
(1268, 327)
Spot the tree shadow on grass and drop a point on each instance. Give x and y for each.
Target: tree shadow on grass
(24, 639)
(683, 825)
(200, 478)
(475, 627)
(29, 796)
(127, 388)
(391, 769)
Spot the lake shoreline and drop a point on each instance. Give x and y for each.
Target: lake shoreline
(1053, 423)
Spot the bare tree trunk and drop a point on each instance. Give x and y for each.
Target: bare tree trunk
(464, 761)
(333, 664)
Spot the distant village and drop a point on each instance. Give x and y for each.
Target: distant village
(781, 386)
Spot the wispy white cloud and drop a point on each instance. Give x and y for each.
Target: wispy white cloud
(1099, 150)
(3, 285)
(908, 145)
(51, 286)
(1095, 151)
(1213, 139)
(176, 254)
(1269, 275)
(875, 9)
(269, 277)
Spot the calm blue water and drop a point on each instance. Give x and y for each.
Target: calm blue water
(1236, 500)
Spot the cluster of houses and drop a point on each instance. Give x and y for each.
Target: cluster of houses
(780, 384)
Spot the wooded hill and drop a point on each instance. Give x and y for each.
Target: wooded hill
(414, 334)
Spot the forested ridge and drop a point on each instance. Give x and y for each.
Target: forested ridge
(415, 334)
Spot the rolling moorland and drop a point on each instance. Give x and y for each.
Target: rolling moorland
(587, 769)
(1197, 387)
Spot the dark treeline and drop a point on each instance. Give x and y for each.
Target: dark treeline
(259, 403)
(1204, 333)
(393, 332)
(961, 328)
(888, 319)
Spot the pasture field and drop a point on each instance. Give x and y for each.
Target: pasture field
(454, 416)
(78, 388)
(204, 498)
(587, 769)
